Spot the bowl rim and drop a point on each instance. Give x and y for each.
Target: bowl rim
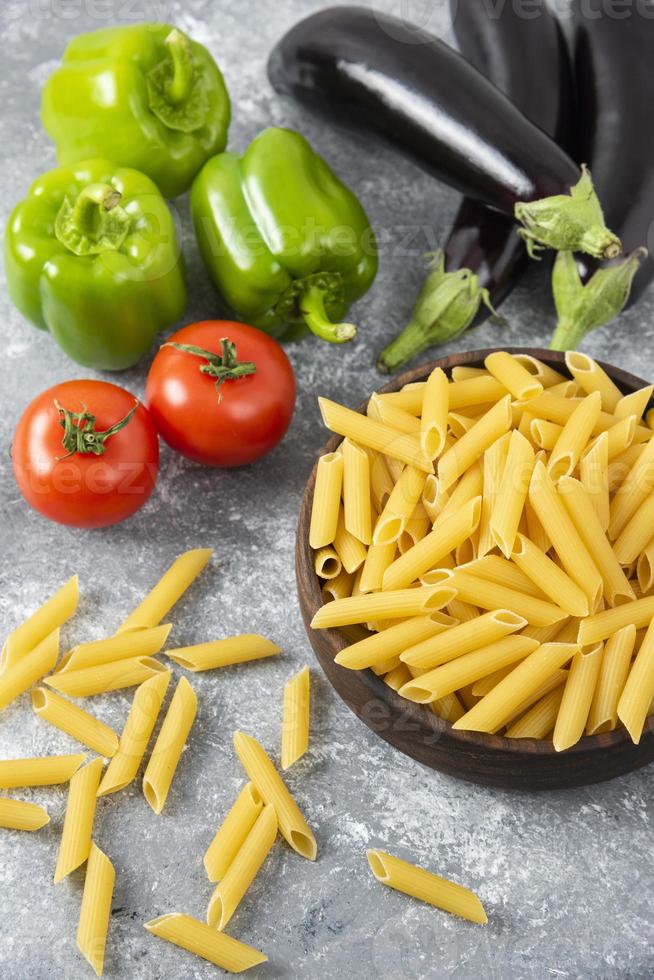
(413, 711)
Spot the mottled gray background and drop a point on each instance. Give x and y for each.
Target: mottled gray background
(566, 877)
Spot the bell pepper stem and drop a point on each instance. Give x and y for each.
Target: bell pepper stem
(312, 308)
(94, 222)
(92, 201)
(181, 82)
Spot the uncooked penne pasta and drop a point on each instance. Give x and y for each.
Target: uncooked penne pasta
(540, 719)
(416, 529)
(122, 646)
(295, 718)
(604, 624)
(474, 443)
(512, 493)
(105, 677)
(547, 376)
(466, 489)
(378, 559)
(381, 483)
(356, 491)
(435, 408)
(376, 435)
(77, 833)
(619, 437)
(392, 415)
(577, 697)
(350, 551)
(223, 653)
(388, 605)
(645, 568)
(473, 391)
(326, 563)
(96, 908)
(341, 586)
(168, 590)
(399, 507)
(326, 500)
(554, 582)
(634, 403)
(45, 770)
(500, 570)
(632, 493)
(169, 746)
(259, 768)
(204, 941)
(591, 377)
(513, 375)
(636, 535)
(380, 647)
(136, 734)
(42, 623)
(545, 434)
(574, 437)
(464, 638)
(485, 684)
(489, 595)
(638, 692)
(243, 869)
(19, 815)
(616, 662)
(594, 476)
(425, 886)
(493, 469)
(232, 832)
(397, 677)
(31, 667)
(75, 722)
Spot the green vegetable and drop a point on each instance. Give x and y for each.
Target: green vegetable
(91, 255)
(144, 96)
(287, 244)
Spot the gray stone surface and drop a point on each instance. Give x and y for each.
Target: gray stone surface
(566, 877)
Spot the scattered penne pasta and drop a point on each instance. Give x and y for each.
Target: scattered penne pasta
(168, 590)
(206, 942)
(46, 770)
(19, 815)
(169, 746)
(232, 832)
(77, 834)
(23, 673)
(123, 646)
(42, 623)
(113, 676)
(295, 718)
(223, 653)
(96, 908)
(74, 721)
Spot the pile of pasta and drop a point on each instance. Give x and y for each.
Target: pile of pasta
(486, 541)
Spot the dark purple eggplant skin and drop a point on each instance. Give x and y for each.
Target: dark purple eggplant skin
(381, 73)
(527, 59)
(614, 60)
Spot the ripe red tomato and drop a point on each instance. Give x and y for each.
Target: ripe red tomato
(75, 485)
(235, 422)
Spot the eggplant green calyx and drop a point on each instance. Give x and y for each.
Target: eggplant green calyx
(582, 308)
(175, 94)
(94, 222)
(79, 431)
(446, 306)
(222, 367)
(571, 222)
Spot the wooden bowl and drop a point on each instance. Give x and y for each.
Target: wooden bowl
(488, 759)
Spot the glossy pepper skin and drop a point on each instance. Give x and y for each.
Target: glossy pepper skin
(144, 96)
(91, 255)
(287, 244)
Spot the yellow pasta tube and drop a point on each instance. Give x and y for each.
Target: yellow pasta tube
(399, 506)
(490, 595)
(387, 605)
(632, 493)
(553, 682)
(574, 437)
(545, 374)
(376, 435)
(168, 590)
(513, 375)
(493, 468)
(619, 437)
(243, 870)
(24, 672)
(638, 692)
(585, 519)
(356, 491)
(616, 661)
(435, 408)
(341, 586)
(326, 500)
(378, 558)
(42, 623)
(496, 708)
(199, 938)
(96, 908)
(554, 582)
(223, 653)
(467, 488)
(539, 721)
(425, 886)
(577, 697)
(18, 815)
(637, 534)
(494, 568)
(169, 746)
(350, 551)
(136, 734)
(512, 493)
(259, 768)
(398, 676)
(473, 444)
(46, 770)
(591, 377)
(594, 476)
(604, 624)
(105, 677)
(75, 722)
(448, 708)
(381, 484)
(77, 834)
(436, 545)
(409, 398)
(392, 415)
(464, 638)
(122, 646)
(380, 647)
(634, 404)
(232, 832)
(295, 718)
(645, 568)
(326, 563)
(416, 529)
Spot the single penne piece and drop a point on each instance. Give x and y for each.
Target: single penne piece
(545, 374)
(259, 768)
(553, 581)
(577, 697)
(633, 492)
(587, 523)
(489, 595)
(513, 375)
(77, 833)
(495, 710)
(435, 408)
(619, 467)
(545, 434)
(462, 611)
(494, 568)
(602, 625)
(341, 586)
(554, 682)
(619, 437)
(386, 666)
(30, 668)
(136, 734)
(473, 391)
(349, 550)
(425, 886)
(46, 770)
(381, 483)
(380, 647)
(408, 398)
(558, 403)
(540, 719)
(512, 493)
(396, 677)
(634, 403)
(169, 746)
(393, 415)
(376, 435)
(18, 815)
(486, 684)
(379, 557)
(594, 477)
(232, 832)
(243, 869)
(492, 468)
(295, 718)
(459, 424)
(467, 488)
(224, 653)
(535, 530)
(356, 491)
(467, 669)
(428, 552)
(603, 716)
(574, 436)
(122, 646)
(326, 563)
(645, 568)
(75, 722)
(461, 639)
(461, 372)
(96, 908)
(416, 529)
(383, 605)
(326, 500)
(636, 535)
(399, 507)
(204, 941)
(591, 377)
(448, 708)
(168, 590)
(638, 692)
(470, 447)
(105, 677)
(41, 624)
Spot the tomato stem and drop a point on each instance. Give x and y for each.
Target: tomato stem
(79, 431)
(223, 367)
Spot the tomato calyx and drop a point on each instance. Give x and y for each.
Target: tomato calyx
(223, 367)
(79, 431)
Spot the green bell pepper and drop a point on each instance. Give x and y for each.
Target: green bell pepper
(288, 246)
(144, 96)
(91, 254)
